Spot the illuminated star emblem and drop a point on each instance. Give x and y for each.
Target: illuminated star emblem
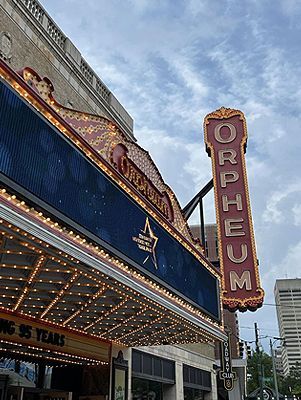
(148, 232)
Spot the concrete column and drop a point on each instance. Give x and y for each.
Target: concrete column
(72, 52)
(128, 356)
(45, 22)
(94, 81)
(213, 394)
(234, 394)
(170, 392)
(179, 386)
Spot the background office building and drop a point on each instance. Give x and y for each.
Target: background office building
(278, 360)
(288, 298)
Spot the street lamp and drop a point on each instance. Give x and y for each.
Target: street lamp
(274, 365)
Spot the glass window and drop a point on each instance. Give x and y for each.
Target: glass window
(199, 376)
(157, 367)
(193, 394)
(143, 389)
(206, 379)
(192, 375)
(137, 361)
(147, 364)
(196, 377)
(185, 373)
(168, 369)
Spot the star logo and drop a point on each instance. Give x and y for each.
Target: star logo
(147, 241)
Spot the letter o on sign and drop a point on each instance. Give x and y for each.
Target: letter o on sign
(217, 132)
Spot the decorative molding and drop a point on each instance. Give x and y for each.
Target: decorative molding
(103, 135)
(222, 113)
(5, 46)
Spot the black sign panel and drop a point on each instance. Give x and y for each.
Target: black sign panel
(51, 170)
(25, 331)
(226, 373)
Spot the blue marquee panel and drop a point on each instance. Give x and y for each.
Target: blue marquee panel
(38, 158)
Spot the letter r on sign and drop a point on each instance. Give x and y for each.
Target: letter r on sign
(227, 155)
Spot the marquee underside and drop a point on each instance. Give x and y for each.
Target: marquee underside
(51, 286)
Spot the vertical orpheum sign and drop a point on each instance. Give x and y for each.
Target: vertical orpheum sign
(226, 138)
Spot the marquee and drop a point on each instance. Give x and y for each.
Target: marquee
(83, 250)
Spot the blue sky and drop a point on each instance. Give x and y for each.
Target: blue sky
(170, 62)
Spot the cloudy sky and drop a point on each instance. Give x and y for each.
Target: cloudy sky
(170, 62)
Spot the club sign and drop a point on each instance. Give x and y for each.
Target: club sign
(226, 138)
(226, 374)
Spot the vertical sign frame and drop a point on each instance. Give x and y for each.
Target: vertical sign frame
(226, 374)
(226, 138)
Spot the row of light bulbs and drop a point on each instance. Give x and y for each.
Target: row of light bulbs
(140, 276)
(90, 276)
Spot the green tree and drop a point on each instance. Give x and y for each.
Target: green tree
(292, 383)
(253, 371)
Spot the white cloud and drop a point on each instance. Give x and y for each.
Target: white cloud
(191, 79)
(274, 212)
(291, 8)
(288, 267)
(297, 214)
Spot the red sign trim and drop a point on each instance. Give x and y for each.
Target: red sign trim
(240, 275)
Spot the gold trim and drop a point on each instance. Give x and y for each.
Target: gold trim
(108, 171)
(233, 302)
(223, 113)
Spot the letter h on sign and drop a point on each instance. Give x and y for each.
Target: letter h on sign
(225, 138)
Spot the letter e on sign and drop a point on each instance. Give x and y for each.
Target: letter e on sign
(226, 137)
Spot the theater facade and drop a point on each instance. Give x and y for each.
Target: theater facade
(96, 256)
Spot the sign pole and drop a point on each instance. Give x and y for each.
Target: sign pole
(259, 361)
(274, 370)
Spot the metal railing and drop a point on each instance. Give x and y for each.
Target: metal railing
(58, 37)
(35, 9)
(56, 34)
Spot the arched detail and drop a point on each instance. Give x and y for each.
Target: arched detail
(103, 136)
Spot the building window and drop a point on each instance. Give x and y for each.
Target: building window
(147, 366)
(196, 383)
(143, 389)
(195, 377)
(193, 394)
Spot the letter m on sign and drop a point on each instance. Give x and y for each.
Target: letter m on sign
(226, 137)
